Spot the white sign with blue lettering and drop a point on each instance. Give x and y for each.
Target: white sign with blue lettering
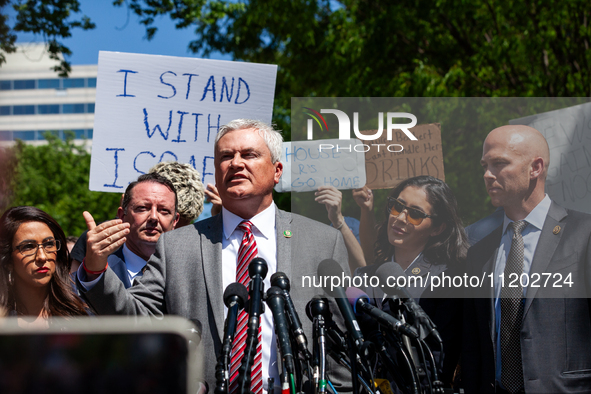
(307, 165)
(161, 108)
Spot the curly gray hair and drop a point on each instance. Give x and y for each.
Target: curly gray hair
(188, 186)
(272, 137)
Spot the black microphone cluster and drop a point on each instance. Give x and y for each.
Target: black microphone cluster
(383, 349)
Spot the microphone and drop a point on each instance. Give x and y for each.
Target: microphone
(277, 305)
(318, 311)
(360, 302)
(281, 280)
(330, 268)
(257, 270)
(390, 287)
(235, 297)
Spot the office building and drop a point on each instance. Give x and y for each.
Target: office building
(34, 100)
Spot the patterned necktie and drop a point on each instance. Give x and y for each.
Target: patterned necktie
(512, 314)
(247, 251)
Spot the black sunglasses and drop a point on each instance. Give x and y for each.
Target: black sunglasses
(414, 216)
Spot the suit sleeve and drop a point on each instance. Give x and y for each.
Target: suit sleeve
(145, 298)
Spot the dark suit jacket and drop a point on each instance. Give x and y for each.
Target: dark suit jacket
(184, 277)
(117, 264)
(556, 328)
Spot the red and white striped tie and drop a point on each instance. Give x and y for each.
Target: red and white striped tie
(247, 251)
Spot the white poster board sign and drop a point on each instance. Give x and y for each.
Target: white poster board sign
(307, 165)
(161, 108)
(568, 132)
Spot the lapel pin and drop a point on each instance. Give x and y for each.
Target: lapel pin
(556, 230)
(416, 271)
(287, 234)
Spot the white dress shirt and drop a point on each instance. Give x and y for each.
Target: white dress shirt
(265, 235)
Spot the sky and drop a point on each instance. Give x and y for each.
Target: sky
(118, 30)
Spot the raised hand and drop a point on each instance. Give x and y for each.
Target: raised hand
(102, 240)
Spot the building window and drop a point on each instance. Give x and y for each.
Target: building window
(48, 83)
(73, 108)
(5, 85)
(22, 84)
(73, 83)
(24, 135)
(23, 109)
(90, 107)
(48, 109)
(4, 110)
(92, 82)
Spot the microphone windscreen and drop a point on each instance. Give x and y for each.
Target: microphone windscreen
(354, 294)
(389, 270)
(317, 306)
(274, 291)
(258, 266)
(236, 290)
(280, 280)
(328, 269)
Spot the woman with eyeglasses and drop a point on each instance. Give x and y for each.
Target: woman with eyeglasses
(34, 268)
(423, 234)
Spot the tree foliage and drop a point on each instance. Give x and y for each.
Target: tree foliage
(52, 19)
(54, 178)
(382, 48)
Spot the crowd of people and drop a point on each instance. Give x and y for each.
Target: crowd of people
(499, 339)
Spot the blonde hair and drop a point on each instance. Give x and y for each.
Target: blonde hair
(187, 183)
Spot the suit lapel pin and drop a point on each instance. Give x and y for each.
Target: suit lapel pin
(416, 271)
(556, 230)
(287, 234)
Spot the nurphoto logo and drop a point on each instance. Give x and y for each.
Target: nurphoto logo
(345, 130)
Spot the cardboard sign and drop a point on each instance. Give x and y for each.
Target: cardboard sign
(307, 165)
(387, 164)
(568, 132)
(161, 108)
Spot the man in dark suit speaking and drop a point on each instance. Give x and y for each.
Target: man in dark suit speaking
(530, 329)
(191, 267)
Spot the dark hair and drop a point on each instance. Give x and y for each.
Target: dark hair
(451, 245)
(150, 177)
(61, 300)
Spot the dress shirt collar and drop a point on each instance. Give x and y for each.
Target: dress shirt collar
(133, 262)
(536, 217)
(263, 221)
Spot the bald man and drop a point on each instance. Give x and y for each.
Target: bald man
(533, 336)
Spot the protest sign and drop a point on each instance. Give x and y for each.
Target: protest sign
(161, 108)
(568, 132)
(387, 164)
(307, 165)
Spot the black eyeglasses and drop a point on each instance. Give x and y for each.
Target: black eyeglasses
(31, 248)
(413, 215)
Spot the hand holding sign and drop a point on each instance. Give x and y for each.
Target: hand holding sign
(332, 198)
(364, 198)
(102, 240)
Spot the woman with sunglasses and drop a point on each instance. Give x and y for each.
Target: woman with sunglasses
(423, 234)
(34, 268)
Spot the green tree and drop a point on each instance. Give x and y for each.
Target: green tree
(54, 178)
(406, 48)
(53, 19)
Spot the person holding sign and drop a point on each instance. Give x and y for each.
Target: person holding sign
(191, 266)
(332, 198)
(528, 329)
